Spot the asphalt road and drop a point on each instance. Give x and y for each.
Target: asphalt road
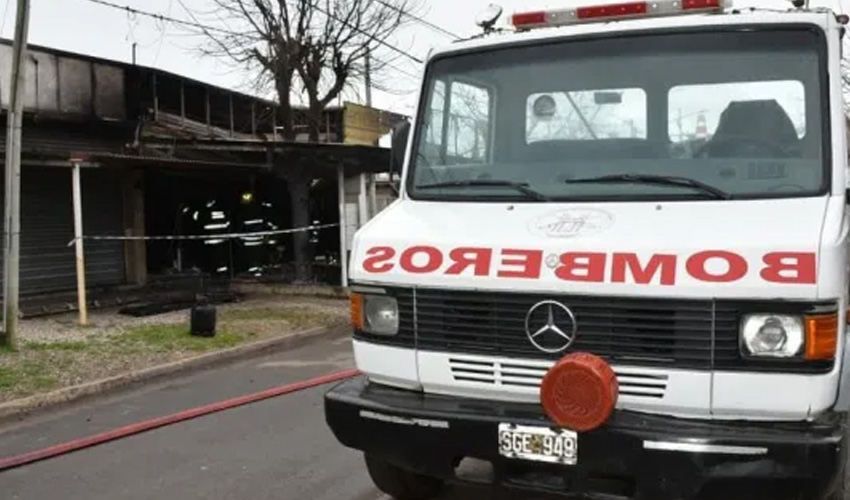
(275, 449)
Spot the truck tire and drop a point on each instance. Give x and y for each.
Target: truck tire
(402, 484)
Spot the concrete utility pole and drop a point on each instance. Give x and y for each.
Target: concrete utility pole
(368, 68)
(12, 215)
(363, 212)
(373, 204)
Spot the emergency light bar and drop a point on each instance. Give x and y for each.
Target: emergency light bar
(590, 13)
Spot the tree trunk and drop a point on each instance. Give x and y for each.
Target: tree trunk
(315, 122)
(298, 184)
(285, 114)
(299, 192)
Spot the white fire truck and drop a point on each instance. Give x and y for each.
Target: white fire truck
(618, 264)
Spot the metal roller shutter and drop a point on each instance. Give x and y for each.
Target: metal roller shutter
(47, 262)
(102, 215)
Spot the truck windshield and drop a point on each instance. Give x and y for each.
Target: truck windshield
(711, 115)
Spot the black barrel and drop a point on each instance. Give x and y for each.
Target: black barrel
(203, 319)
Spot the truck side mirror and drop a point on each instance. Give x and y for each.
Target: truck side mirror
(401, 134)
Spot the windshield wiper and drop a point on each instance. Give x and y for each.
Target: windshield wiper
(658, 180)
(522, 187)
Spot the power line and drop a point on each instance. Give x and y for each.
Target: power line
(189, 11)
(400, 70)
(371, 36)
(162, 35)
(198, 25)
(160, 17)
(195, 23)
(420, 20)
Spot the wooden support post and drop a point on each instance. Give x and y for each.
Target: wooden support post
(182, 103)
(135, 255)
(78, 244)
(155, 97)
(253, 118)
(208, 113)
(232, 120)
(362, 202)
(373, 196)
(343, 241)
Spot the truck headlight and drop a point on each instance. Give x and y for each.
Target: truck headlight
(375, 314)
(772, 335)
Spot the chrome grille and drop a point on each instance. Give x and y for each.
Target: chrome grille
(636, 331)
(633, 383)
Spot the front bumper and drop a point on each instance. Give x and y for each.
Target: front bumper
(634, 456)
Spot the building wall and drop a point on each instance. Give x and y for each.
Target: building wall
(67, 84)
(384, 196)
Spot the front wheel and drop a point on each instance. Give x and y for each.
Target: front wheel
(402, 484)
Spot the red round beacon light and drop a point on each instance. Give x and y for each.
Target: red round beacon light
(579, 392)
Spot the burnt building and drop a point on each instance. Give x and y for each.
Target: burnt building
(164, 155)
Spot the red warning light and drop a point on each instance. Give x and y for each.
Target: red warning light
(700, 4)
(528, 18)
(613, 10)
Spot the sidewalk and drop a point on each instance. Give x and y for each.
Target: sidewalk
(55, 353)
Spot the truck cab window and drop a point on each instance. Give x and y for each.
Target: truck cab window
(585, 115)
(468, 124)
(457, 125)
(761, 119)
(432, 136)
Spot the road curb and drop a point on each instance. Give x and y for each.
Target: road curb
(19, 408)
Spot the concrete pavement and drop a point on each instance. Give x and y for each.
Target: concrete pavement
(275, 449)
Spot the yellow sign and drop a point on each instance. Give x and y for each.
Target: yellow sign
(364, 125)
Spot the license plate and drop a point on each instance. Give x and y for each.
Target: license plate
(540, 444)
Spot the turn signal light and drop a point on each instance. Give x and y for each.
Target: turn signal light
(821, 336)
(356, 308)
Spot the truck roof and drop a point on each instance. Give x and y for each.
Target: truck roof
(821, 17)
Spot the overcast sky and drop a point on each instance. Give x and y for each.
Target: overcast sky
(88, 28)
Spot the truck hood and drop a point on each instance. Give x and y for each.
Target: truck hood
(755, 248)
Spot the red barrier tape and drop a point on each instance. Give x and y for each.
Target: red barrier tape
(147, 425)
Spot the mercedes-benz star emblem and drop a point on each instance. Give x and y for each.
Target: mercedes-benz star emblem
(550, 326)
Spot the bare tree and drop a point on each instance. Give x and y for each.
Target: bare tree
(347, 32)
(317, 47)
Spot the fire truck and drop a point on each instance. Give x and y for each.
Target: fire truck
(618, 264)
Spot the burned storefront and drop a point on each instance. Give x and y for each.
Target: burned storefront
(228, 206)
(174, 173)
